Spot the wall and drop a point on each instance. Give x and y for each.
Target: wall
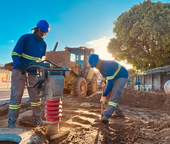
(156, 77)
(5, 79)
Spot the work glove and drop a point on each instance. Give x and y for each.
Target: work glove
(103, 100)
(21, 68)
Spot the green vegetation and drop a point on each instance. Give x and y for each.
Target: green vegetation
(143, 36)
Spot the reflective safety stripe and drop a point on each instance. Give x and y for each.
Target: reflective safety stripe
(16, 54)
(26, 56)
(113, 76)
(30, 57)
(112, 103)
(15, 106)
(35, 103)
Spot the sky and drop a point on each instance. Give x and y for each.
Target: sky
(73, 23)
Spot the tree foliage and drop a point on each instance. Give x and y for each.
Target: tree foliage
(131, 71)
(143, 36)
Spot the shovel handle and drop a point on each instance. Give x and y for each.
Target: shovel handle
(102, 112)
(102, 107)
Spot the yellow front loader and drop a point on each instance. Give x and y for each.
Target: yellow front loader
(82, 79)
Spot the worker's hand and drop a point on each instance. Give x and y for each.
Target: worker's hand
(103, 100)
(21, 68)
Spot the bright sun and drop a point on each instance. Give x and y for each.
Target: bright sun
(100, 47)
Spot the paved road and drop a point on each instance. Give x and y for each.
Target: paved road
(5, 97)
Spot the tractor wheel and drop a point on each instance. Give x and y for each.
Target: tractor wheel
(80, 87)
(92, 87)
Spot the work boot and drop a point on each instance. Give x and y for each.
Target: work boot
(11, 125)
(37, 120)
(104, 120)
(118, 114)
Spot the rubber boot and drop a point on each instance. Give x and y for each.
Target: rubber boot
(11, 125)
(104, 120)
(37, 120)
(118, 114)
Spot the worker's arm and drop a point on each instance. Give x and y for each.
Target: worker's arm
(108, 88)
(17, 52)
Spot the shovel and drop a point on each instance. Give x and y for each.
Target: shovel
(103, 84)
(102, 112)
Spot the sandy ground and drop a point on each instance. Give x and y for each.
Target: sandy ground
(146, 121)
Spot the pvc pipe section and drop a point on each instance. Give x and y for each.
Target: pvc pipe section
(10, 138)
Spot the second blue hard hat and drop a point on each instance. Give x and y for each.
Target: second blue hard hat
(43, 25)
(93, 60)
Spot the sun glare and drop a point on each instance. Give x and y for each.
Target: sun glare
(100, 47)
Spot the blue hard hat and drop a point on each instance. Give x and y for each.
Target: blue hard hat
(43, 25)
(93, 60)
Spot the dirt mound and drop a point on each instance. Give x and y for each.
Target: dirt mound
(143, 99)
(139, 99)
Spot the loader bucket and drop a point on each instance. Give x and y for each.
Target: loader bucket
(60, 58)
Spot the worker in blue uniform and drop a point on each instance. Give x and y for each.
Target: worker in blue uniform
(138, 81)
(128, 83)
(29, 48)
(117, 77)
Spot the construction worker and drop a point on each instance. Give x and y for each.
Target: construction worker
(138, 81)
(28, 49)
(128, 83)
(117, 77)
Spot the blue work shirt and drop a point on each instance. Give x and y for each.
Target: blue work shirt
(108, 68)
(28, 50)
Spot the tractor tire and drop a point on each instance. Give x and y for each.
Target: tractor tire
(80, 87)
(92, 87)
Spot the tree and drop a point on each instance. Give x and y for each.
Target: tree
(143, 36)
(131, 71)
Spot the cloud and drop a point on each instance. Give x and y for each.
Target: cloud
(100, 47)
(11, 41)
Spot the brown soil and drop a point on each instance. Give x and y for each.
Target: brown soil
(146, 121)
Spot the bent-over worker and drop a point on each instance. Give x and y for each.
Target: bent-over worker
(117, 77)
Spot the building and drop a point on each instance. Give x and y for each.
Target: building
(156, 77)
(5, 78)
